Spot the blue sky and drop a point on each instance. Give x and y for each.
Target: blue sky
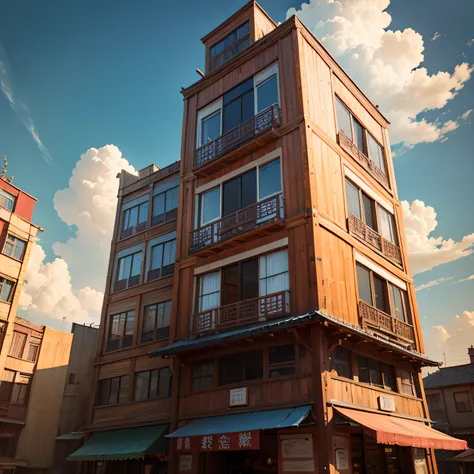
(96, 73)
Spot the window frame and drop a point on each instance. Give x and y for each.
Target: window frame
(208, 376)
(124, 334)
(337, 361)
(408, 375)
(165, 213)
(128, 212)
(456, 402)
(150, 276)
(14, 246)
(3, 281)
(246, 359)
(237, 29)
(291, 364)
(109, 381)
(373, 365)
(164, 305)
(8, 197)
(18, 354)
(435, 405)
(150, 388)
(132, 256)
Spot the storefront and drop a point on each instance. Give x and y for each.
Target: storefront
(142, 450)
(373, 443)
(269, 441)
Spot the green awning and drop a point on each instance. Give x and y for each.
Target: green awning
(129, 443)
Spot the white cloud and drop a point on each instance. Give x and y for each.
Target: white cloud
(432, 283)
(386, 64)
(451, 340)
(436, 36)
(466, 114)
(72, 285)
(470, 42)
(427, 252)
(469, 278)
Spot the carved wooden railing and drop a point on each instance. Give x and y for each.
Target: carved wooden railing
(368, 235)
(237, 136)
(243, 312)
(238, 223)
(374, 318)
(350, 147)
(235, 48)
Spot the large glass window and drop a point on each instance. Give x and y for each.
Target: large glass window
(353, 200)
(14, 247)
(211, 127)
(7, 200)
(114, 390)
(376, 373)
(202, 375)
(121, 328)
(364, 284)
(281, 361)
(376, 152)
(163, 257)
(240, 281)
(209, 291)
(231, 45)
(154, 383)
(239, 192)
(274, 274)
(165, 206)
(240, 367)
(129, 270)
(398, 302)
(210, 206)
(238, 105)
(269, 178)
(386, 225)
(6, 288)
(267, 93)
(343, 118)
(135, 217)
(342, 362)
(156, 321)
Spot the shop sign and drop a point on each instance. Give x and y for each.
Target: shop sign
(299, 466)
(296, 446)
(419, 460)
(386, 403)
(185, 462)
(238, 397)
(239, 441)
(341, 452)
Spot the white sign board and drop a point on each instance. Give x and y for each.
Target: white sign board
(296, 446)
(185, 462)
(342, 459)
(386, 403)
(238, 397)
(299, 466)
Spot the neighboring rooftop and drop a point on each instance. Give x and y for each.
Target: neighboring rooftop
(447, 376)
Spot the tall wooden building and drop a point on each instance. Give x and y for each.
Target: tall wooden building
(294, 340)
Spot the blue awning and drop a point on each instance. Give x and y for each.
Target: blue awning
(257, 420)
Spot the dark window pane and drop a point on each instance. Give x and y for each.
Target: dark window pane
(249, 280)
(342, 362)
(269, 179)
(267, 93)
(248, 106)
(353, 202)
(369, 211)
(232, 115)
(282, 360)
(104, 391)
(359, 136)
(343, 118)
(363, 284)
(143, 213)
(375, 374)
(363, 365)
(211, 128)
(124, 388)
(380, 295)
(231, 199)
(142, 381)
(249, 189)
(244, 30)
(239, 90)
(172, 197)
(388, 375)
(154, 382)
(158, 209)
(156, 257)
(231, 370)
(230, 284)
(164, 388)
(253, 365)
(114, 390)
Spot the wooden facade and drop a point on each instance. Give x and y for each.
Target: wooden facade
(266, 228)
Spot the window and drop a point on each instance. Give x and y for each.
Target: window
(71, 379)
(386, 225)
(376, 373)
(381, 294)
(435, 402)
(209, 291)
(238, 105)
(20, 389)
(14, 247)
(128, 271)
(274, 275)
(462, 402)
(230, 46)
(18, 344)
(6, 385)
(6, 288)
(156, 321)
(211, 127)
(281, 361)
(249, 188)
(202, 375)
(121, 328)
(267, 93)
(240, 282)
(134, 218)
(114, 390)
(407, 380)
(163, 257)
(7, 200)
(342, 362)
(33, 349)
(154, 383)
(240, 367)
(364, 141)
(165, 206)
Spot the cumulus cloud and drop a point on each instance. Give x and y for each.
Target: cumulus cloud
(386, 64)
(425, 251)
(72, 284)
(452, 339)
(470, 42)
(430, 284)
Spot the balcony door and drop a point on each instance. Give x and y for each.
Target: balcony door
(240, 282)
(239, 192)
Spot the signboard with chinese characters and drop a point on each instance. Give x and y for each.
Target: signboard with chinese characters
(239, 441)
(341, 453)
(419, 460)
(296, 446)
(386, 403)
(238, 397)
(185, 462)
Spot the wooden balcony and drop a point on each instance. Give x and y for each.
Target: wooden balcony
(350, 147)
(373, 318)
(243, 312)
(233, 50)
(241, 140)
(372, 238)
(251, 218)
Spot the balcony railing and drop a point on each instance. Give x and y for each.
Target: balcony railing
(240, 222)
(243, 312)
(350, 147)
(368, 235)
(374, 318)
(219, 59)
(237, 136)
